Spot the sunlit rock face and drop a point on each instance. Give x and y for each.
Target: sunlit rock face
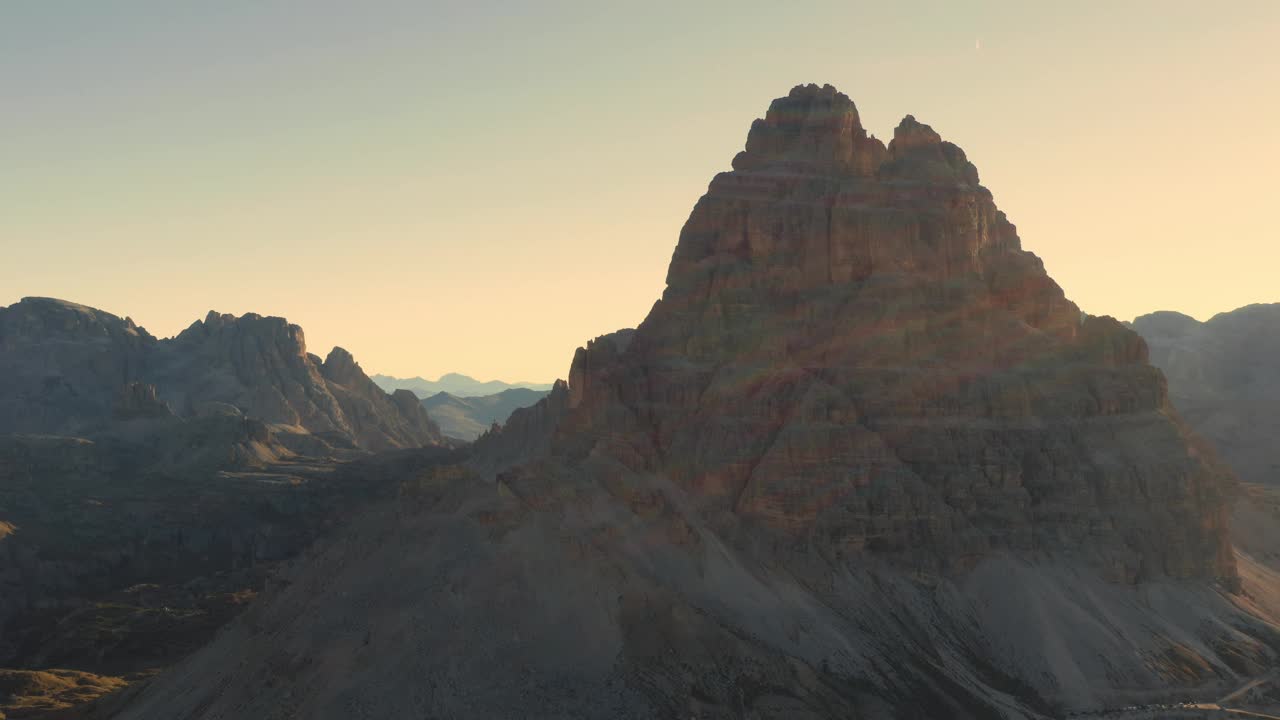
(853, 350)
(261, 365)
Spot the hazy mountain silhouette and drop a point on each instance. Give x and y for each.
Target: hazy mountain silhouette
(467, 418)
(1223, 379)
(455, 384)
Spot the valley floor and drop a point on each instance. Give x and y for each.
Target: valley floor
(142, 611)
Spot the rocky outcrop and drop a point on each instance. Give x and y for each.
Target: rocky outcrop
(862, 459)
(1222, 379)
(140, 400)
(70, 369)
(258, 364)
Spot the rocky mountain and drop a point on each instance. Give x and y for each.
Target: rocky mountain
(455, 384)
(1222, 379)
(862, 459)
(67, 369)
(467, 418)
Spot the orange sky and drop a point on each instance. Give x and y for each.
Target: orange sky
(481, 187)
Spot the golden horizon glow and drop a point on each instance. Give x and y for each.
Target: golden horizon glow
(451, 187)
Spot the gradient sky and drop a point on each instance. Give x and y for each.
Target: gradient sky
(482, 186)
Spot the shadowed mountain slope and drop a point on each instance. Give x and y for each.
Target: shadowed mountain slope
(455, 384)
(470, 417)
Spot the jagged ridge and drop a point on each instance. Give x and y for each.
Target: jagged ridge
(70, 369)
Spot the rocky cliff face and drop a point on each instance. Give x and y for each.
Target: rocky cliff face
(1222, 380)
(853, 349)
(526, 434)
(863, 459)
(69, 369)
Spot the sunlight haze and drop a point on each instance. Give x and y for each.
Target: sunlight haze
(482, 187)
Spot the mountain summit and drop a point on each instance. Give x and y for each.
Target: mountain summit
(862, 459)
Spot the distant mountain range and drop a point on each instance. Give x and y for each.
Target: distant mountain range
(455, 384)
(467, 418)
(1222, 379)
(862, 459)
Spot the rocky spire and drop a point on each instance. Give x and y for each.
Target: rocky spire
(815, 129)
(918, 153)
(341, 367)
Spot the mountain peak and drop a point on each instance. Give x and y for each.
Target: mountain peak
(817, 131)
(261, 331)
(918, 153)
(813, 129)
(1165, 323)
(340, 363)
(820, 322)
(912, 133)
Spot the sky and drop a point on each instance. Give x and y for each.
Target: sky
(483, 186)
